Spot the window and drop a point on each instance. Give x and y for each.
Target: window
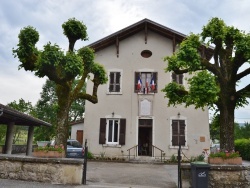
(114, 82)
(178, 132)
(178, 78)
(145, 82)
(112, 131)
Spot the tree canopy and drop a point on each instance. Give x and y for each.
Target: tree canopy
(214, 82)
(62, 68)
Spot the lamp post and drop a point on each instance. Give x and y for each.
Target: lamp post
(179, 153)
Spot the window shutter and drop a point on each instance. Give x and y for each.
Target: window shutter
(102, 135)
(156, 81)
(174, 133)
(111, 82)
(122, 131)
(180, 78)
(174, 77)
(136, 81)
(182, 132)
(118, 82)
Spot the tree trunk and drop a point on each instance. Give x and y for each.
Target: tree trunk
(227, 127)
(62, 130)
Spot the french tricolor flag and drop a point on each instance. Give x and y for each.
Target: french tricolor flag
(139, 83)
(152, 83)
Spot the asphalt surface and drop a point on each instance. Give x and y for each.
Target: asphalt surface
(112, 175)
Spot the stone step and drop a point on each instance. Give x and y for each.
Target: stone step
(146, 159)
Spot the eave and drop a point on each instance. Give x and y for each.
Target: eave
(144, 25)
(8, 115)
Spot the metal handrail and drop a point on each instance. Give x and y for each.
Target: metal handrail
(158, 149)
(134, 147)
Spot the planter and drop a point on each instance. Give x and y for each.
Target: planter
(219, 160)
(49, 154)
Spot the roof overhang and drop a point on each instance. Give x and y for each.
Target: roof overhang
(9, 115)
(143, 25)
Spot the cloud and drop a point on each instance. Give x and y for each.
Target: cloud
(102, 18)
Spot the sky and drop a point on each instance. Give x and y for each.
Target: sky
(102, 18)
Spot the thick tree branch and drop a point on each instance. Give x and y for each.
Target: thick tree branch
(244, 91)
(243, 74)
(92, 98)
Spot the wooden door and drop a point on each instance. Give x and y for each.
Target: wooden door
(79, 136)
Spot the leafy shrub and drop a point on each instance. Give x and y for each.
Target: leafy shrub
(225, 155)
(243, 147)
(59, 148)
(90, 155)
(173, 159)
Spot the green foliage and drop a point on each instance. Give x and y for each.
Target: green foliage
(225, 155)
(59, 148)
(213, 84)
(243, 147)
(215, 128)
(90, 155)
(197, 158)
(203, 90)
(75, 29)
(176, 93)
(100, 73)
(242, 131)
(24, 107)
(26, 51)
(173, 159)
(87, 55)
(3, 129)
(63, 69)
(188, 55)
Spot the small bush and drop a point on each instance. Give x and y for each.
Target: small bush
(243, 147)
(173, 159)
(90, 155)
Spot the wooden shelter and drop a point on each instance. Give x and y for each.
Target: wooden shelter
(12, 118)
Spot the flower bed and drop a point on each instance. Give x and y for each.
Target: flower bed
(49, 151)
(225, 158)
(219, 160)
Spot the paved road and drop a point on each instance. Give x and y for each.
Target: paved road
(112, 175)
(131, 175)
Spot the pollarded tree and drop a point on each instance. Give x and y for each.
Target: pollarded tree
(214, 82)
(62, 68)
(46, 109)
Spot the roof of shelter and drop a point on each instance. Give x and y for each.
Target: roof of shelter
(143, 25)
(8, 115)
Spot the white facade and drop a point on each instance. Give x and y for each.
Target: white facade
(77, 131)
(148, 119)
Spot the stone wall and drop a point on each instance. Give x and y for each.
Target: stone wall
(220, 176)
(56, 171)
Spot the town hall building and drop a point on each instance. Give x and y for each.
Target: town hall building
(132, 116)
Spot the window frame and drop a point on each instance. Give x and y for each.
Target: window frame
(146, 81)
(176, 146)
(108, 131)
(177, 78)
(104, 132)
(114, 71)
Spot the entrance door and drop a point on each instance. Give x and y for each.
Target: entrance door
(79, 136)
(145, 137)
